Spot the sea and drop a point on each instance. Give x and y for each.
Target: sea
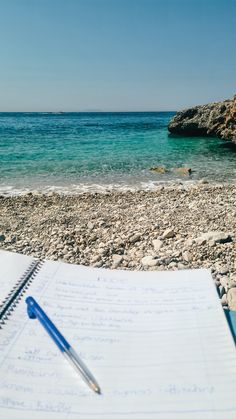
(99, 151)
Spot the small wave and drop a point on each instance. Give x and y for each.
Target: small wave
(77, 189)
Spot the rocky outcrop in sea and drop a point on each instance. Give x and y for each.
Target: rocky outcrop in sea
(216, 119)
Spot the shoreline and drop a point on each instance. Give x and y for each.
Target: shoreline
(143, 230)
(77, 189)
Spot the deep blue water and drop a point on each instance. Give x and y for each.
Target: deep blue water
(78, 151)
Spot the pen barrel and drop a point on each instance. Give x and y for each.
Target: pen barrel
(35, 311)
(80, 367)
(51, 329)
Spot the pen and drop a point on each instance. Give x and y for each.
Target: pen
(35, 311)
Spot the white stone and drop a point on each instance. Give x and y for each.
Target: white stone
(189, 242)
(225, 282)
(168, 234)
(203, 181)
(187, 256)
(214, 236)
(103, 251)
(232, 281)
(157, 244)
(97, 264)
(223, 270)
(149, 261)
(224, 300)
(96, 258)
(231, 298)
(90, 225)
(181, 266)
(117, 259)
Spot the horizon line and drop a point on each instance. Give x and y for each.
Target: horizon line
(88, 111)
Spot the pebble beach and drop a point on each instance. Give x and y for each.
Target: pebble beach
(173, 227)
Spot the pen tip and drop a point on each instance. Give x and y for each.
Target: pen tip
(96, 389)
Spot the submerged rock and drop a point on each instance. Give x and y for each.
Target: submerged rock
(158, 169)
(216, 119)
(183, 170)
(179, 170)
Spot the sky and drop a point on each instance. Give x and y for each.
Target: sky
(116, 55)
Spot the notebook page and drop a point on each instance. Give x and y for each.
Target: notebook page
(157, 343)
(12, 268)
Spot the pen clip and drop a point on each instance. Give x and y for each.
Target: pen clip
(35, 311)
(30, 312)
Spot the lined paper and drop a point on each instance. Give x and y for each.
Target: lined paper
(157, 343)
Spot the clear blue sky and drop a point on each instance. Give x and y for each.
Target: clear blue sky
(75, 55)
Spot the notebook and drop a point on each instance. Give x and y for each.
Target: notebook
(157, 342)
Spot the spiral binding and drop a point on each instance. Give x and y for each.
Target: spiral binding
(17, 292)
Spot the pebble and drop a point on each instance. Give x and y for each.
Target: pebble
(117, 259)
(181, 266)
(157, 244)
(189, 242)
(148, 261)
(232, 281)
(167, 229)
(231, 298)
(135, 238)
(213, 237)
(224, 300)
(221, 290)
(168, 234)
(187, 256)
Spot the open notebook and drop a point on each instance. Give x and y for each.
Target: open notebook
(157, 342)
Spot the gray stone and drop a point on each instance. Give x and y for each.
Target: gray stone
(2, 237)
(135, 238)
(221, 290)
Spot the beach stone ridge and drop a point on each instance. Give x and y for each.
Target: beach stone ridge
(173, 227)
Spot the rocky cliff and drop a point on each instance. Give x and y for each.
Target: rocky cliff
(213, 120)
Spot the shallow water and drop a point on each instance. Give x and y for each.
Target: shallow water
(92, 151)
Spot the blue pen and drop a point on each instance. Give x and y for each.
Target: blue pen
(35, 311)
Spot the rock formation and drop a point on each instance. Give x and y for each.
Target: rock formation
(213, 120)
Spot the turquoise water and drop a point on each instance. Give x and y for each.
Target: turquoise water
(84, 151)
